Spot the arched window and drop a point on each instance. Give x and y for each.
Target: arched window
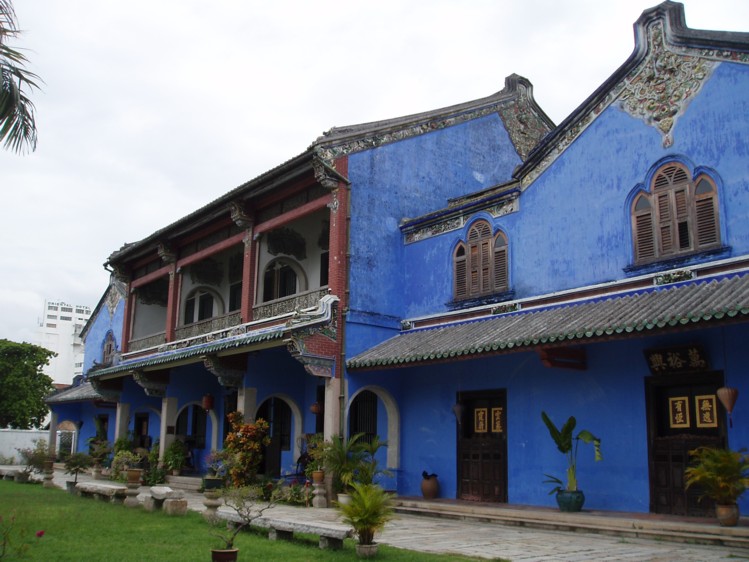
(282, 278)
(202, 305)
(480, 264)
(677, 216)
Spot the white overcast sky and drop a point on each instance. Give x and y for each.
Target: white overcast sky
(152, 108)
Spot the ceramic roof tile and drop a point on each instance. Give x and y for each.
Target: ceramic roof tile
(645, 310)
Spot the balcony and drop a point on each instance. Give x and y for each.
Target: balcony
(285, 305)
(207, 326)
(154, 340)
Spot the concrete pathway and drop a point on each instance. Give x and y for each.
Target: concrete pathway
(491, 541)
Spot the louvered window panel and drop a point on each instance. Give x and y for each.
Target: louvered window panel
(685, 215)
(480, 268)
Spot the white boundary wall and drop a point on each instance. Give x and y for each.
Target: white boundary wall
(12, 439)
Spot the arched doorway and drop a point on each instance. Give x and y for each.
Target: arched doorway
(191, 430)
(362, 416)
(278, 415)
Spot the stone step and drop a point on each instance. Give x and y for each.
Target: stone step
(625, 525)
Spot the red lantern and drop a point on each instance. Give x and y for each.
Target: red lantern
(208, 402)
(728, 397)
(315, 408)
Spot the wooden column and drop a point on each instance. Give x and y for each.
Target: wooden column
(249, 264)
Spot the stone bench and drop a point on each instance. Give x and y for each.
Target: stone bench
(331, 534)
(114, 493)
(171, 501)
(9, 473)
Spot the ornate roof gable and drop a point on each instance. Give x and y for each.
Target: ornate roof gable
(665, 72)
(523, 119)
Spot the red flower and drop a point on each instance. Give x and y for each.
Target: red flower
(40, 534)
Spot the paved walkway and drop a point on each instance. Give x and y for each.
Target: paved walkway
(491, 541)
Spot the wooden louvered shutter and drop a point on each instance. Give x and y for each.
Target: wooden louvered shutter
(665, 223)
(706, 214)
(683, 237)
(643, 229)
(485, 266)
(500, 266)
(460, 282)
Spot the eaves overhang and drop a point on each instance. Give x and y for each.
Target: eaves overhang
(691, 304)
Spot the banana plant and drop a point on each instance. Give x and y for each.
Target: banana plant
(567, 445)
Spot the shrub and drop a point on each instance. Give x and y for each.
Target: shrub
(244, 446)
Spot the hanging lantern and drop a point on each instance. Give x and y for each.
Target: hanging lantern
(728, 397)
(315, 408)
(208, 402)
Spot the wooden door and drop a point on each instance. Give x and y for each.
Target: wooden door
(683, 414)
(482, 446)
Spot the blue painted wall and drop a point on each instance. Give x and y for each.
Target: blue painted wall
(582, 200)
(410, 178)
(607, 399)
(99, 326)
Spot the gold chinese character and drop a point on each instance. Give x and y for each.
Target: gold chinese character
(674, 360)
(656, 362)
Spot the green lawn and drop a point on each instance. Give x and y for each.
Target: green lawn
(80, 529)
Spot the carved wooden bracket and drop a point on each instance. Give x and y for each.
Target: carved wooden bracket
(564, 358)
(153, 384)
(228, 376)
(238, 215)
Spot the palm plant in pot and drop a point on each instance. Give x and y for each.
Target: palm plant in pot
(369, 508)
(174, 456)
(569, 498)
(723, 476)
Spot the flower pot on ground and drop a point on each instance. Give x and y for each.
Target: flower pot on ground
(248, 503)
(430, 486)
(723, 476)
(224, 554)
(567, 443)
(370, 508)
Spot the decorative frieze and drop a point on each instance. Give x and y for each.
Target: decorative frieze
(457, 220)
(289, 304)
(147, 342)
(674, 277)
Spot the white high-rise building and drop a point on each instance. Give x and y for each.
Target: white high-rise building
(60, 331)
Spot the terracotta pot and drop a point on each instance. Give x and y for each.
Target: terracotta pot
(133, 475)
(318, 476)
(224, 555)
(728, 515)
(570, 501)
(430, 487)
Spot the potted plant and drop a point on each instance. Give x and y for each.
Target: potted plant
(75, 464)
(216, 465)
(569, 498)
(125, 466)
(174, 456)
(342, 458)
(316, 452)
(33, 459)
(249, 503)
(99, 449)
(367, 512)
(723, 476)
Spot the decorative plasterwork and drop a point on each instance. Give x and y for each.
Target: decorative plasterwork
(516, 113)
(315, 365)
(674, 277)
(657, 90)
(228, 377)
(238, 215)
(525, 126)
(166, 254)
(325, 173)
(151, 386)
(661, 87)
(326, 311)
(453, 222)
(114, 295)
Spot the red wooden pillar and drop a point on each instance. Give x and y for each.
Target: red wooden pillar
(127, 328)
(338, 258)
(172, 303)
(248, 276)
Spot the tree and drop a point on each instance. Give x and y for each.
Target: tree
(17, 123)
(23, 385)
